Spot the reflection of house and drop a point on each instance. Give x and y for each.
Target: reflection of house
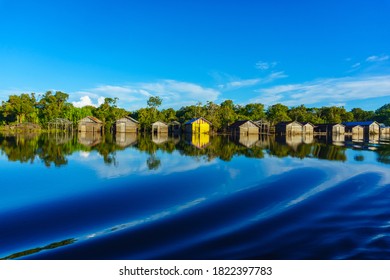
(90, 124)
(89, 138)
(307, 128)
(199, 140)
(335, 128)
(125, 139)
(198, 125)
(308, 138)
(248, 140)
(370, 127)
(159, 138)
(338, 139)
(174, 127)
(288, 128)
(243, 128)
(126, 124)
(159, 127)
(293, 140)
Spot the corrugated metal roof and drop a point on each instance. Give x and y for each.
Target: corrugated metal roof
(365, 123)
(96, 120)
(195, 119)
(239, 123)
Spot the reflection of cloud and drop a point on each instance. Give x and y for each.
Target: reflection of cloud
(84, 154)
(133, 162)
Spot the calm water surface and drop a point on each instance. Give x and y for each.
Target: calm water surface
(134, 197)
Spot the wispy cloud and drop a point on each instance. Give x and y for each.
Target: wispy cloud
(376, 58)
(134, 96)
(263, 65)
(326, 91)
(239, 83)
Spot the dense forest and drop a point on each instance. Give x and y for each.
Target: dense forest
(40, 110)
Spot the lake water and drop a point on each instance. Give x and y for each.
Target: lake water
(201, 197)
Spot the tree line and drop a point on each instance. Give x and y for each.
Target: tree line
(42, 109)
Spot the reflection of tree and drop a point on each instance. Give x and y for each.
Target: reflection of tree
(29, 147)
(153, 162)
(384, 154)
(21, 147)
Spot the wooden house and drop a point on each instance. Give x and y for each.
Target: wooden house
(385, 130)
(329, 129)
(197, 126)
(308, 128)
(126, 125)
(243, 128)
(159, 127)
(354, 129)
(370, 127)
(288, 128)
(264, 126)
(90, 124)
(174, 127)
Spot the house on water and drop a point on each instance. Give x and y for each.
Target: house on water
(90, 124)
(159, 127)
(243, 128)
(330, 129)
(174, 127)
(288, 128)
(308, 128)
(354, 129)
(370, 127)
(198, 126)
(126, 125)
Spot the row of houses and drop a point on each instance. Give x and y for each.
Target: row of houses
(246, 127)
(130, 125)
(361, 128)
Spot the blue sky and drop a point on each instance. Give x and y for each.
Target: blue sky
(316, 53)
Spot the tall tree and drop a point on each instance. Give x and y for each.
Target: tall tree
(383, 114)
(277, 113)
(20, 108)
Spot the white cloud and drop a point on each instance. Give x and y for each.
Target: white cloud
(376, 58)
(86, 101)
(356, 65)
(238, 83)
(262, 65)
(134, 96)
(326, 91)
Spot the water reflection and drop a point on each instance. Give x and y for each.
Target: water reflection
(55, 149)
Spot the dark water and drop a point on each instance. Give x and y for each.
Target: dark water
(128, 197)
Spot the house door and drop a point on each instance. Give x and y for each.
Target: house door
(83, 128)
(122, 127)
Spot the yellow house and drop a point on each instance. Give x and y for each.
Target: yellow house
(198, 126)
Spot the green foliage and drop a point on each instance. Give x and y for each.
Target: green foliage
(383, 114)
(277, 113)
